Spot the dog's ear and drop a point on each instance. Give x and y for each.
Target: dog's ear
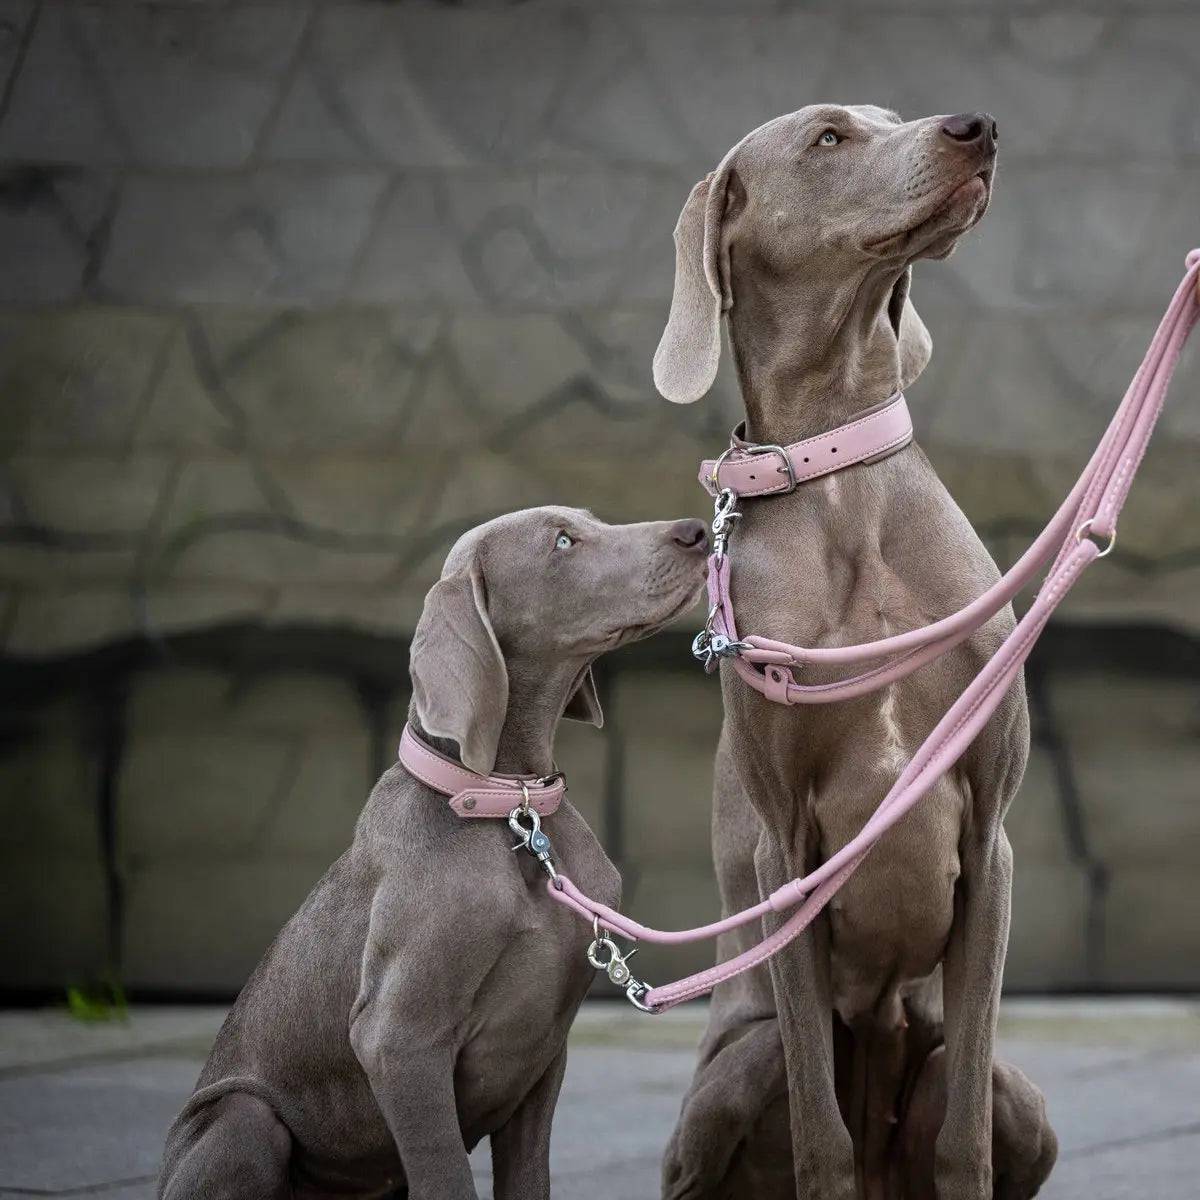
(584, 704)
(913, 343)
(460, 682)
(685, 363)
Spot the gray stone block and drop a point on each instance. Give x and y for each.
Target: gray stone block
(53, 923)
(1047, 944)
(418, 86)
(1136, 757)
(177, 86)
(277, 769)
(201, 925)
(367, 378)
(14, 23)
(56, 113)
(86, 494)
(51, 620)
(1149, 942)
(76, 378)
(45, 252)
(1083, 236)
(670, 725)
(286, 236)
(537, 239)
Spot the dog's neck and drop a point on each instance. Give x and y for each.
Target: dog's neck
(537, 695)
(809, 357)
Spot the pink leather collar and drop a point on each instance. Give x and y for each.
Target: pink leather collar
(751, 470)
(473, 795)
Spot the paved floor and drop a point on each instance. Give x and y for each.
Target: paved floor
(83, 1107)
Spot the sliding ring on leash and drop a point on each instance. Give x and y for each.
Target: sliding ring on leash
(1085, 530)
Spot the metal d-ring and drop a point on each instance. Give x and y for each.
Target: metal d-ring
(634, 993)
(712, 475)
(1085, 530)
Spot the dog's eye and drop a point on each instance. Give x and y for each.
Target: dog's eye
(564, 541)
(829, 138)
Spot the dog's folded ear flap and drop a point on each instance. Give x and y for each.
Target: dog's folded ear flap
(460, 682)
(913, 343)
(685, 363)
(584, 704)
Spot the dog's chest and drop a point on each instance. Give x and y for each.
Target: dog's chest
(520, 1018)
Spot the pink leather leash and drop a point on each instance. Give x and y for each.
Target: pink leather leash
(1090, 512)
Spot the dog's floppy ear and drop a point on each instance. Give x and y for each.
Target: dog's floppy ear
(460, 682)
(685, 363)
(913, 343)
(584, 704)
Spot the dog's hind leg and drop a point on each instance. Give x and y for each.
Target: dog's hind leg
(234, 1148)
(1024, 1146)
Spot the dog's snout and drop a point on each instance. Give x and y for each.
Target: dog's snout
(690, 535)
(970, 129)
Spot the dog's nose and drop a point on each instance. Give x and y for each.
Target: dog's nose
(690, 535)
(969, 129)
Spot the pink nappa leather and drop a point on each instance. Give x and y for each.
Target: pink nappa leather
(761, 471)
(473, 795)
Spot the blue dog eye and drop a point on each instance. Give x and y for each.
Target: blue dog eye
(564, 541)
(828, 138)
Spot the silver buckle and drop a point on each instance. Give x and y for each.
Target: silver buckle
(787, 468)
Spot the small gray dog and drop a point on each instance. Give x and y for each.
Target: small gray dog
(420, 999)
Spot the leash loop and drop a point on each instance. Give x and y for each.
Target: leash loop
(1085, 531)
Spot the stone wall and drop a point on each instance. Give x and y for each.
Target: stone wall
(288, 289)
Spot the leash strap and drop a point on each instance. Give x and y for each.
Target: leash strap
(1089, 513)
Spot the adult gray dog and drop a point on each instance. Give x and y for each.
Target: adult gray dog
(420, 998)
(804, 239)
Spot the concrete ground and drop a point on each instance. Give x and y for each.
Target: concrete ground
(83, 1107)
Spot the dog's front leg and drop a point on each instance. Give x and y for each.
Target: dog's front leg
(972, 977)
(411, 1072)
(521, 1147)
(822, 1149)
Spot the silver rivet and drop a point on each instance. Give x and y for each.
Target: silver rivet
(469, 803)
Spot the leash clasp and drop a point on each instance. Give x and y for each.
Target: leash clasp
(605, 955)
(725, 513)
(532, 838)
(708, 647)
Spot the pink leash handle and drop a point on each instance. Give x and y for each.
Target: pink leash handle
(1091, 510)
